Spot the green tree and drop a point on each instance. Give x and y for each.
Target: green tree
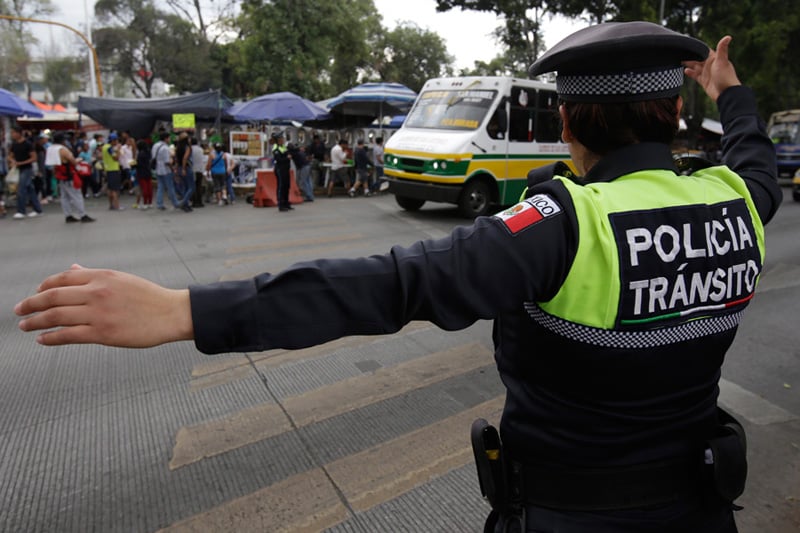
(494, 67)
(141, 43)
(311, 48)
(60, 76)
(14, 59)
(210, 19)
(521, 34)
(766, 37)
(16, 37)
(411, 55)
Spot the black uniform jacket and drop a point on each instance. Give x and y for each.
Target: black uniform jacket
(565, 403)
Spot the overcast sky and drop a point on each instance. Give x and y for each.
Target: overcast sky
(466, 33)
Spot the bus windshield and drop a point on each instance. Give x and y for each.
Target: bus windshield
(785, 133)
(462, 110)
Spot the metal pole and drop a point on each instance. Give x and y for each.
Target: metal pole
(92, 73)
(79, 34)
(661, 13)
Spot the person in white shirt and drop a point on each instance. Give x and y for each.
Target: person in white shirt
(339, 166)
(63, 162)
(162, 155)
(126, 156)
(377, 161)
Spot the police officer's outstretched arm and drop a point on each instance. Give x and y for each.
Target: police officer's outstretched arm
(746, 148)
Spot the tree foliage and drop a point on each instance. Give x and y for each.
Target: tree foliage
(61, 76)
(521, 34)
(411, 55)
(141, 43)
(766, 35)
(14, 59)
(16, 36)
(310, 48)
(318, 49)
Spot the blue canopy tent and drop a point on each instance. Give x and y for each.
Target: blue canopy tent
(278, 107)
(14, 106)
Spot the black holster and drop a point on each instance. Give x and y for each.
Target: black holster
(729, 452)
(507, 512)
(489, 462)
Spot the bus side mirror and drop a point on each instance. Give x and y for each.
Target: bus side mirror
(502, 120)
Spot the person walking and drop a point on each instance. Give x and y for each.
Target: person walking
(616, 295)
(183, 171)
(361, 163)
(162, 159)
(111, 155)
(339, 167)
(198, 158)
(217, 165)
(60, 158)
(302, 166)
(144, 175)
(22, 156)
(379, 184)
(318, 152)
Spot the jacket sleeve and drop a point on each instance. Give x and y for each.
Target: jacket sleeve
(477, 272)
(748, 151)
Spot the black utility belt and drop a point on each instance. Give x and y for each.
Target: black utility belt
(508, 483)
(606, 489)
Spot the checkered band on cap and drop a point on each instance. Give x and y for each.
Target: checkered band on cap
(622, 86)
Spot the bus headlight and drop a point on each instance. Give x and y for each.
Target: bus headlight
(435, 165)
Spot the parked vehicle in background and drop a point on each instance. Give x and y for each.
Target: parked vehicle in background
(784, 130)
(471, 141)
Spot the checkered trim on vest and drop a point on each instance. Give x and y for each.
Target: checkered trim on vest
(632, 339)
(629, 83)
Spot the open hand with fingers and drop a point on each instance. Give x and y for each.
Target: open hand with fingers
(83, 305)
(716, 73)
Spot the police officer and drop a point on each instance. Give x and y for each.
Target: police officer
(282, 161)
(615, 296)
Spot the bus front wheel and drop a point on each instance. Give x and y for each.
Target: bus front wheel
(409, 204)
(475, 199)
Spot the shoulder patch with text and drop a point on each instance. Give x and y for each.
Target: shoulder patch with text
(528, 212)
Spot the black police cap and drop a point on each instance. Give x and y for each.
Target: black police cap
(620, 62)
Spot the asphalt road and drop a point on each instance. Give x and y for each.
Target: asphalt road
(361, 434)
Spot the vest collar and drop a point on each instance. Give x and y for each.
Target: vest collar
(633, 158)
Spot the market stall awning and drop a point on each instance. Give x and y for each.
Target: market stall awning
(48, 107)
(139, 115)
(14, 106)
(277, 107)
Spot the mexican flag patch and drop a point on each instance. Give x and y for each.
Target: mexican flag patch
(528, 212)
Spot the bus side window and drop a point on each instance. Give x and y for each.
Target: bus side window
(521, 121)
(548, 127)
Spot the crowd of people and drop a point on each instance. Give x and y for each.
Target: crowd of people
(178, 168)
